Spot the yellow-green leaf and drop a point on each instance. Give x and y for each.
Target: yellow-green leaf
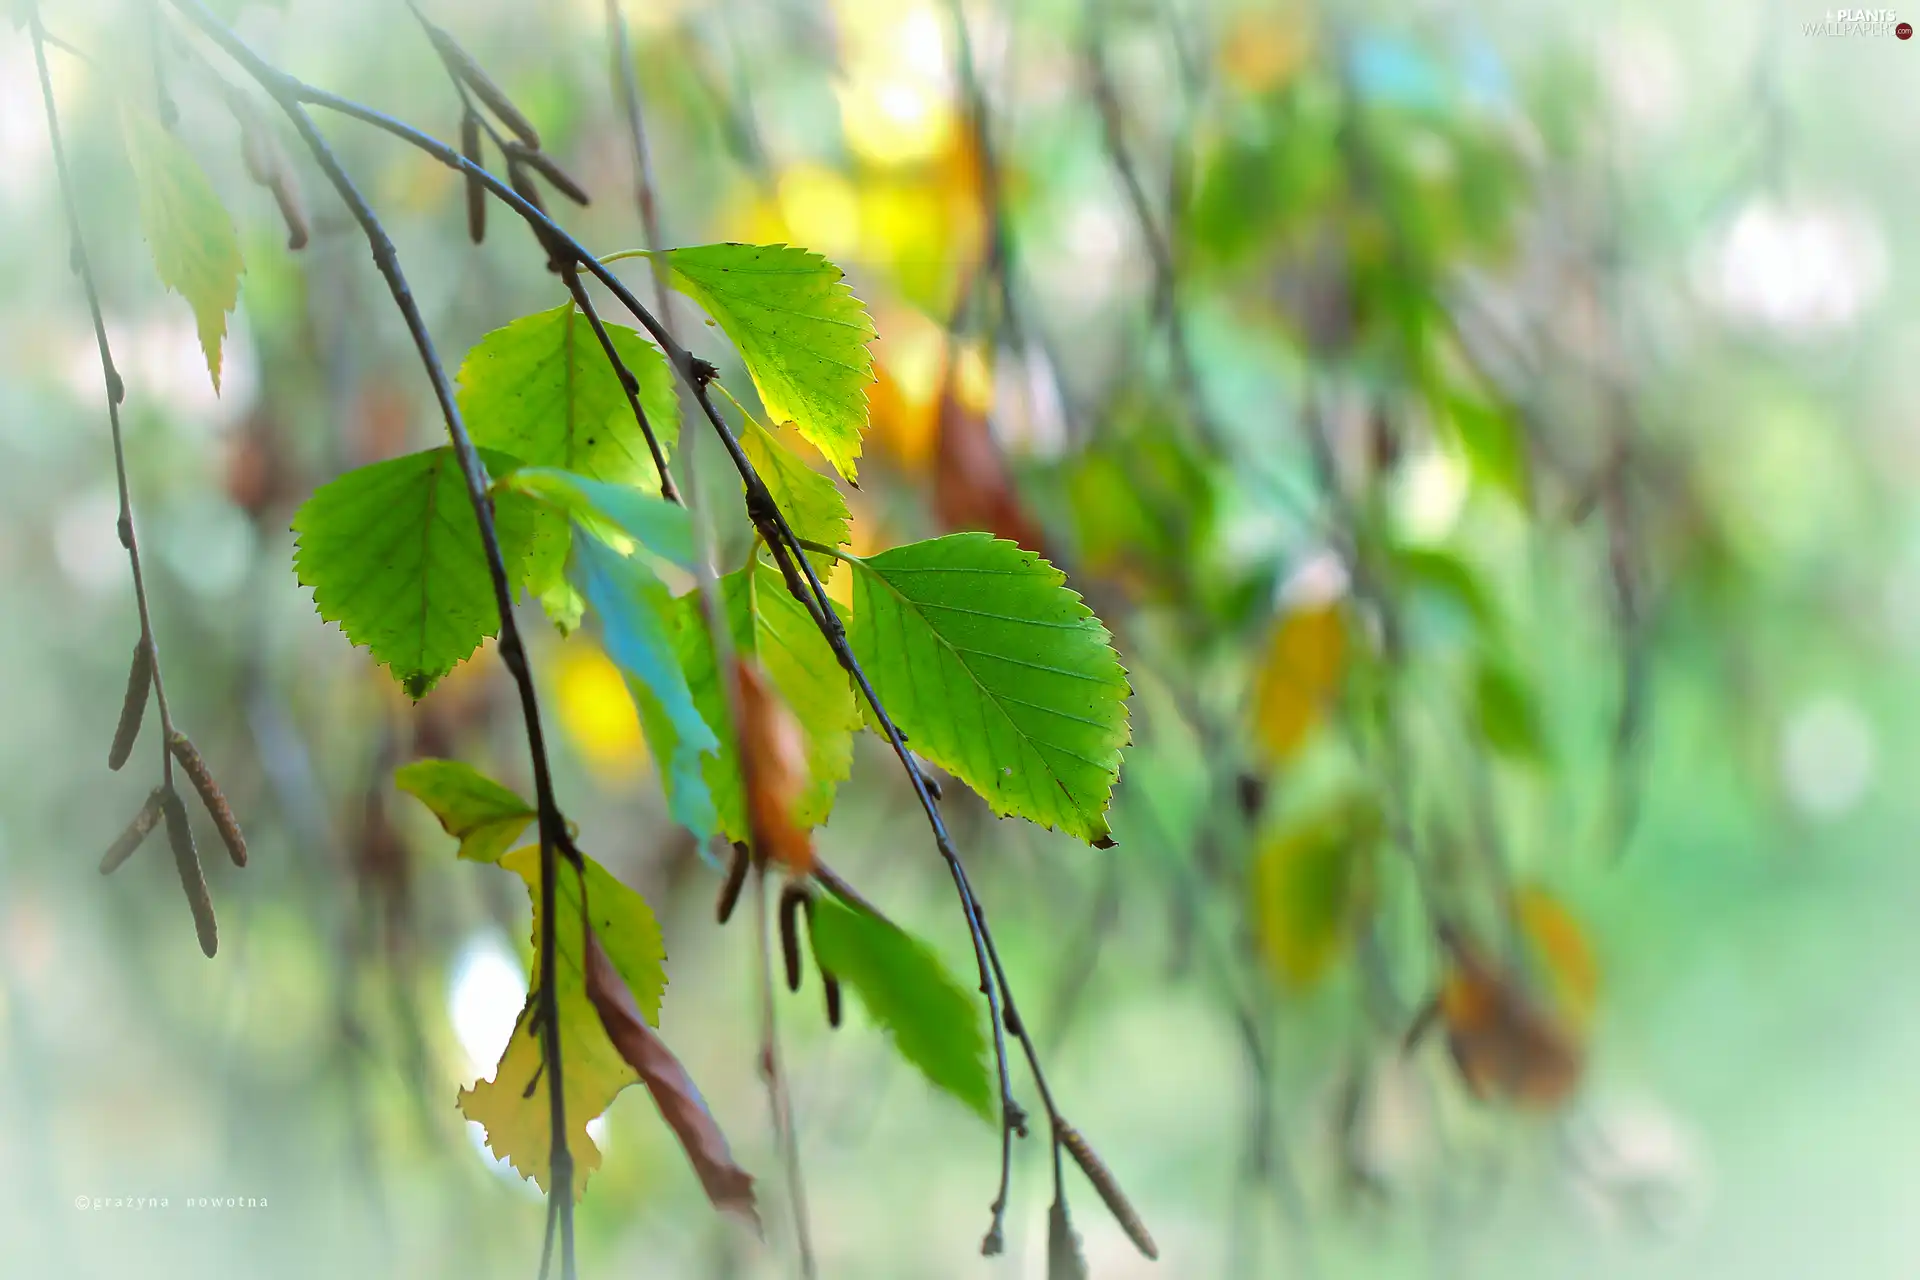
(482, 815)
(1308, 884)
(542, 390)
(194, 246)
(812, 503)
(513, 1104)
(800, 330)
(769, 624)
(1299, 677)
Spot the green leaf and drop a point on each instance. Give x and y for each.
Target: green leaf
(661, 527)
(194, 246)
(634, 608)
(1504, 707)
(768, 623)
(1447, 576)
(800, 330)
(1308, 885)
(542, 390)
(812, 502)
(513, 1104)
(393, 555)
(482, 815)
(1492, 442)
(998, 673)
(933, 1020)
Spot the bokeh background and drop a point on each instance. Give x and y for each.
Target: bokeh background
(1501, 413)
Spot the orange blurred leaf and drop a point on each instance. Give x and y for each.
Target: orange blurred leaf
(1559, 946)
(773, 767)
(1301, 674)
(972, 485)
(1506, 1047)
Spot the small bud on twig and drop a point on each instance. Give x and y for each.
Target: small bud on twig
(196, 769)
(136, 833)
(133, 708)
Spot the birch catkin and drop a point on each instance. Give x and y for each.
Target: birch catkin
(133, 708)
(483, 87)
(730, 890)
(832, 986)
(187, 860)
(476, 190)
(1109, 1188)
(136, 833)
(543, 164)
(791, 899)
(196, 769)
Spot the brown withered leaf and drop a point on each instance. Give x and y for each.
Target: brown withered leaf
(1506, 1046)
(773, 765)
(681, 1106)
(973, 487)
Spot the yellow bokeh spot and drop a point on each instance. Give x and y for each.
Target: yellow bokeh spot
(895, 105)
(891, 119)
(820, 208)
(973, 377)
(596, 712)
(1261, 51)
(910, 360)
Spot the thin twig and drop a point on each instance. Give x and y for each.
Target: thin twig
(1160, 243)
(779, 1093)
(628, 383)
(620, 48)
(553, 836)
(116, 388)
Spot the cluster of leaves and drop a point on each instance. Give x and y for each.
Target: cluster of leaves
(1377, 700)
(985, 659)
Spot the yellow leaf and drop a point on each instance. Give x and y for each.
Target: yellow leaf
(596, 712)
(192, 238)
(513, 1104)
(1561, 951)
(1305, 661)
(1308, 886)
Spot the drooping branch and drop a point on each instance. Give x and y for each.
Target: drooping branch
(116, 387)
(1159, 239)
(552, 825)
(293, 95)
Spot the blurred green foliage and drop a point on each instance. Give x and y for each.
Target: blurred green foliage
(1559, 359)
